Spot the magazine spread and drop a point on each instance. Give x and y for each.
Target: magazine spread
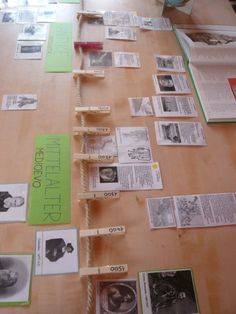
(179, 133)
(174, 106)
(211, 51)
(125, 177)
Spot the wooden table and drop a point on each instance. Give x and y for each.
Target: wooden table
(210, 252)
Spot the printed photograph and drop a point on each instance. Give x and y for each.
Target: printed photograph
(15, 279)
(171, 132)
(211, 39)
(26, 16)
(189, 211)
(56, 252)
(33, 32)
(165, 62)
(100, 59)
(161, 212)
(169, 104)
(108, 175)
(120, 33)
(8, 16)
(140, 106)
(29, 50)
(99, 144)
(119, 296)
(19, 102)
(13, 202)
(46, 15)
(171, 291)
(165, 83)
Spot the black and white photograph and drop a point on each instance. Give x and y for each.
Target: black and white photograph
(33, 32)
(29, 50)
(179, 133)
(171, 84)
(161, 212)
(155, 23)
(56, 252)
(169, 63)
(174, 106)
(133, 145)
(8, 16)
(19, 102)
(116, 297)
(189, 211)
(120, 33)
(100, 59)
(140, 106)
(108, 174)
(13, 202)
(101, 144)
(15, 279)
(168, 291)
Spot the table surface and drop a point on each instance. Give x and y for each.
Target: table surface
(210, 252)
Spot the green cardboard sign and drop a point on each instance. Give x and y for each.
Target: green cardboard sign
(59, 49)
(50, 185)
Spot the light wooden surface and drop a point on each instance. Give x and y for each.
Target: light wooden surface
(211, 252)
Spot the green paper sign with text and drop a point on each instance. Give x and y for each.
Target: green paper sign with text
(50, 185)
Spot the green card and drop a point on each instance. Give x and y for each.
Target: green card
(50, 184)
(59, 50)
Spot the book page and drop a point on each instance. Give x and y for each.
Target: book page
(214, 90)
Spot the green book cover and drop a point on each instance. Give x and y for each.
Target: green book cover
(59, 49)
(50, 184)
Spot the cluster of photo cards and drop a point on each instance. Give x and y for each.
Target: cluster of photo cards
(118, 59)
(168, 291)
(191, 211)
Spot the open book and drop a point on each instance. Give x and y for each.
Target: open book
(211, 54)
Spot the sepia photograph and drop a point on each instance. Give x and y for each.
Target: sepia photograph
(116, 297)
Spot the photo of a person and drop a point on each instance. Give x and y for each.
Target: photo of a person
(7, 201)
(57, 248)
(108, 174)
(166, 83)
(118, 297)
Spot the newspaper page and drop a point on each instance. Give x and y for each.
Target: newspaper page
(33, 32)
(179, 133)
(120, 33)
(29, 50)
(168, 291)
(120, 18)
(124, 177)
(215, 91)
(140, 106)
(169, 63)
(174, 106)
(46, 14)
(100, 144)
(126, 60)
(171, 84)
(133, 145)
(158, 23)
(116, 296)
(56, 252)
(19, 102)
(161, 212)
(205, 210)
